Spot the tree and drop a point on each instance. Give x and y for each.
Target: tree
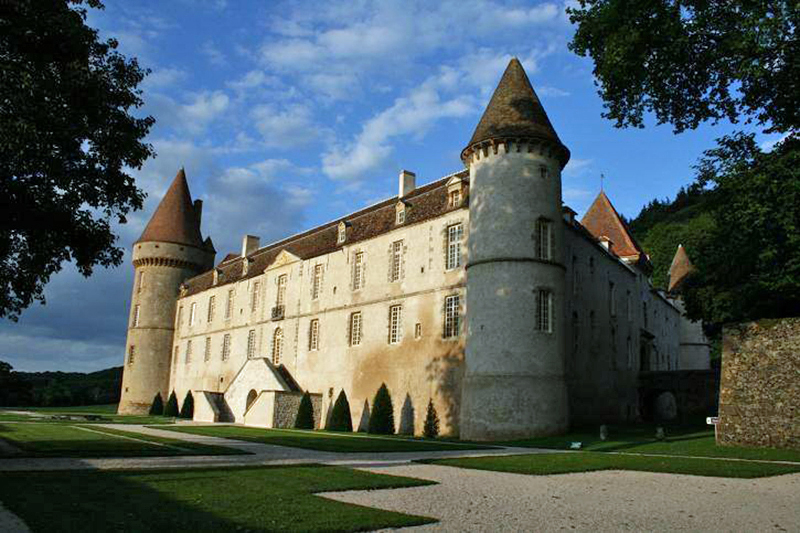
(305, 413)
(157, 408)
(172, 406)
(431, 429)
(66, 140)
(692, 61)
(750, 265)
(187, 409)
(381, 419)
(340, 419)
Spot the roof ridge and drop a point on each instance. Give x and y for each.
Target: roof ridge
(175, 219)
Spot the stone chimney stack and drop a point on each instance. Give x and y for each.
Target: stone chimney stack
(407, 183)
(198, 210)
(250, 244)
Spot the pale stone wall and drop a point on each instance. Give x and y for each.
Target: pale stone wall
(165, 266)
(695, 350)
(759, 399)
(604, 355)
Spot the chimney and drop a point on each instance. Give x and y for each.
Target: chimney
(198, 211)
(407, 182)
(250, 244)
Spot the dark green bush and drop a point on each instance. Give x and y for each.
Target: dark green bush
(431, 429)
(187, 409)
(381, 420)
(340, 419)
(158, 405)
(172, 405)
(305, 413)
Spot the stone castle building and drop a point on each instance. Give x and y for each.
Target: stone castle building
(480, 291)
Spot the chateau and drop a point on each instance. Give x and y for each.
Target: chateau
(480, 291)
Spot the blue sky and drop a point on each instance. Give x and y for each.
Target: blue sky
(287, 115)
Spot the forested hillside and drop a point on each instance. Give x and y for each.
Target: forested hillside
(46, 389)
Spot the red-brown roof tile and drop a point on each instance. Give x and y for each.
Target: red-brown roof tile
(680, 269)
(175, 219)
(602, 220)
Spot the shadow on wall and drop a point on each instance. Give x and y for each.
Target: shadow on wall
(446, 372)
(363, 424)
(406, 417)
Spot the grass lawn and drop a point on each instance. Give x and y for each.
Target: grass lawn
(327, 441)
(694, 441)
(108, 414)
(61, 440)
(224, 499)
(571, 462)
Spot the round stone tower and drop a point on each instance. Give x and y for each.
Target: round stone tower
(514, 381)
(170, 250)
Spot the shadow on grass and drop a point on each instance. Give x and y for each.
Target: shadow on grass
(222, 499)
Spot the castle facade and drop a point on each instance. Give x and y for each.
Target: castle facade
(480, 291)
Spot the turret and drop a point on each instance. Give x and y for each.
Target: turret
(170, 250)
(514, 383)
(695, 349)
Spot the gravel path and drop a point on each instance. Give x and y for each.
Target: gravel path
(476, 500)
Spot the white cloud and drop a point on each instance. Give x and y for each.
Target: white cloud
(552, 92)
(164, 77)
(576, 166)
(214, 54)
(286, 127)
(204, 107)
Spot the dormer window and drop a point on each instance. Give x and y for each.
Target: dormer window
(400, 213)
(454, 198)
(341, 235)
(401, 216)
(215, 276)
(455, 192)
(245, 266)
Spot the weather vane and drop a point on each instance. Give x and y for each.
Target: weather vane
(602, 177)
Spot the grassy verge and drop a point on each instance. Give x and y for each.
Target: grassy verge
(683, 441)
(106, 414)
(230, 499)
(60, 440)
(323, 440)
(573, 462)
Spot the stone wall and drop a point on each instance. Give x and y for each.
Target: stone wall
(288, 403)
(759, 402)
(696, 394)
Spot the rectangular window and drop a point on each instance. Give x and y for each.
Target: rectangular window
(251, 344)
(401, 216)
(358, 271)
(136, 316)
(629, 306)
(188, 358)
(576, 281)
(452, 316)
(544, 239)
(455, 198)
(544, 311)
(313, 335)
(229, 305)
(316, 283)
(175, 356)
(454, 235)
(212, 303)
(254, 296)
(417, 331)
(207, 350)
(179, 318)
(226, 346)
(131, 354)
(141, 282)
(612, 298)
(281, 296)
(629, 351)
(395, 324)
(342, 234)
(192, 313)
(397, 261)
(355, 328)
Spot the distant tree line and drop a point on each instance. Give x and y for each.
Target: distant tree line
(54, 389)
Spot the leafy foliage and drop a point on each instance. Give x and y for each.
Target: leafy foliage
(381, 419)
(305, 413)
(158, 405)
(340, 419)
(692, 61)
(187, 409)
(431, 428)
(52, 389)
(172, 406)
(66, 140)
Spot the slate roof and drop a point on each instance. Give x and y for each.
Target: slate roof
(680, 269)
(602, 220)
(515, 112)
(175, 219)
(425, 203)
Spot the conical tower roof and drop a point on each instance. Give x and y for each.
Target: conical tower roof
(175, 219)
(602, 220)
(680, 269)
(515, 112)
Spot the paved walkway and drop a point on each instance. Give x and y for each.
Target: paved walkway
(476, 500)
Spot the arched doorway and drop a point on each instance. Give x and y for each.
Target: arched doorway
(251, 397)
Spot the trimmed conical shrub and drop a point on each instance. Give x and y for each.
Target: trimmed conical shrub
(431, 429)
(172, 405)
(381, 420)
(187, 409)
(157, 408)
(305, 413)
(340, 419)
